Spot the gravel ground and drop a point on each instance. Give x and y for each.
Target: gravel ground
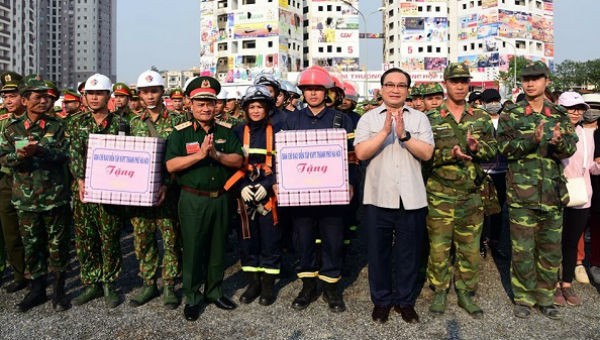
(280, 321)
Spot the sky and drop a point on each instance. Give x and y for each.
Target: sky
(159, 33)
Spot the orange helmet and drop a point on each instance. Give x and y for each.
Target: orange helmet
(315, 76)
(350, 91)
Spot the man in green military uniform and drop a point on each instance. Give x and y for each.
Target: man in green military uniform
(134, 102)
(8, 214)
(35, 148)
(463, 138)
(433, 95)
(176, 96)
(534, 135)
(96, 225)
(156, 121)
(72, 104)
(418, 101)
(121, 93)
(202, 153)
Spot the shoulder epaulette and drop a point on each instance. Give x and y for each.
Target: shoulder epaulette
(4, 116)
(224, 124)
(183, 125)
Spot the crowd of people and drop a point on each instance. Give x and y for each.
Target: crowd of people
(443, 175)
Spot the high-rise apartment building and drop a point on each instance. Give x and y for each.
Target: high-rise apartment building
(77, 39)
(242, 38)
(18, 36)
(331, 34)
(423, 36)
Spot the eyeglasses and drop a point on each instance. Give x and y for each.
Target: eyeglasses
(576, 110)
(391, 86)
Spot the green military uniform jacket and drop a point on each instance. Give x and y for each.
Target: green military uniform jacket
(40, 182)
(449, 175)
(80, 130)
(207, 174)
(535, 174)
(5, 119)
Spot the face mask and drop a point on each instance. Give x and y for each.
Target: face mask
(493, 108)
(591, 115)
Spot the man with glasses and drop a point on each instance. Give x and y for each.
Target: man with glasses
(394, 139)
(535, 135)
(202, 154)
(464, 137)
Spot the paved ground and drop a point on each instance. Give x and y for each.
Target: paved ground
(279, 321)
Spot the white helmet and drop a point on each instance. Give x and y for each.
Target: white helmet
(98, 82)
(223, 94)
(150, 78)
(187, 82)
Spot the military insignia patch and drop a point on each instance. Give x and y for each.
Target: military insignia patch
(183, 126)
(205, 84)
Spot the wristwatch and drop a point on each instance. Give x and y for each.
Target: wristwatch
(406, 137)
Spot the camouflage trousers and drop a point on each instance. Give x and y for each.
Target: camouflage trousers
(97, 228)
(45, 239)
(146, 246)
(456, 220)
(536, 254)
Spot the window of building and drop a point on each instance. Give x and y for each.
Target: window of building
(329, 8)
(338, 49)
(464, 6)
(338, 8)
(391, 51)
(429, 49)
(519, 3)
(391, 25)
(270, 43)
(538, 4)
(249, 59)
(479, 3)
(538, 45)
(248, 2)
(329, 48)
(520, 44)
(438, 8)
(472, 46)
(428, 8)
(420, 9)
(321, 49)
(420, 49)
(438, 49)
(320, 8)
(391, 13)
(222, 46)
(480, 45)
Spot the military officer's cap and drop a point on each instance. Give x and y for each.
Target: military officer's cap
(10, 81)
(535, 68)
(432, 88)
(71, 96)
(203, 88)
(176, 94)
(52, 89)
(33, 82)
(133, 93)
(456, 70)
(121, 89)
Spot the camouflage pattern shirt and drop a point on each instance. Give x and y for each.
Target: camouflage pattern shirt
(81, 128)
(5, 119)
(40, 182)
(535, 175)
(449, 175)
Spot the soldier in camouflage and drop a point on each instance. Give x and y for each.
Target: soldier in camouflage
(96, 225)
(35, 148)
(176, 96)
(11, 98)
(463, 138)
(134, 102)
(534, 135)
(156, 121)
(418, 101)
(433, 96)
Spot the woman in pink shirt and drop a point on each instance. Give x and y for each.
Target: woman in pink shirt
(580, 164)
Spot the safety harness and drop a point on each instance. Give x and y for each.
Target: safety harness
(254, 170)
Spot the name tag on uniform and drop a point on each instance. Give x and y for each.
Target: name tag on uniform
(191, 148)
(220, 141)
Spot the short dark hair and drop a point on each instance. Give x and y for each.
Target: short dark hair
(395, 70)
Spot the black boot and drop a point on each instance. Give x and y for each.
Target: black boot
(16, 285)
(35, 297)
(267, 293)
(333, 297)
(253, 289)
(59, 301)
(307, 295)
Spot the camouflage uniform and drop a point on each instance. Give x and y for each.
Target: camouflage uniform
(96, 225)
(40, 192)
(455, 206)
(536, 195)
(228, 121)
(146, 220)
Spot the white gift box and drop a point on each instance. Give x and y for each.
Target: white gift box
(312, 167)
(124, 170)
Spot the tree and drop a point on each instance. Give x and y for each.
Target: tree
(507, 78)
